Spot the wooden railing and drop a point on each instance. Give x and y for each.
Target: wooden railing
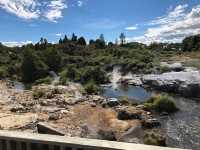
(27, 141)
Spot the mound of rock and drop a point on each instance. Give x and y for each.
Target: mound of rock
(184, 83)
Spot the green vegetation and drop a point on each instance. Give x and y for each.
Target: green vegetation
(38, 94)
(75, 60)
(191, 43)
(32, 67)
(91, 88)
(162, 103)
(46, 80)
(154, 138)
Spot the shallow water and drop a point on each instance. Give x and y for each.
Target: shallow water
(183, 128)
(135, 93)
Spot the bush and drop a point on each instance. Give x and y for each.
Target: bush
(63, 78)
(164, 69)
(91, 88)
(38, 94)
(162, 103)
(153, 138)
(3, 71)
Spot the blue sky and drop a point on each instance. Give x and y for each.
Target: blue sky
(145, 21)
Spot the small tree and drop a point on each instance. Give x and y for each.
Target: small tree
(81, 41)
(53, 58)
(60, 41)
(100, 43)
(122, 38)
(74, 37)
(101, 37)
(32, 67)
(65, 40)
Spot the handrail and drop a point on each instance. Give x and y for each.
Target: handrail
(10, 140)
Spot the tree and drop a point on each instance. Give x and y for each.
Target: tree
(100, 43)
(81, 41)
(60, 41)
(91, 42)
(101, 37)
(53, 58)
(32, 66)
(110, 44)
(65, 40)
(74, 37)
(191, 43)
(122, 38)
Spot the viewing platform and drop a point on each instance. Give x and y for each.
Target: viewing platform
(27, 141)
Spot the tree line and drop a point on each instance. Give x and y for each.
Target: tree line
(77, 60)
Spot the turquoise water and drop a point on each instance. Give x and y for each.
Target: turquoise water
(135, 93)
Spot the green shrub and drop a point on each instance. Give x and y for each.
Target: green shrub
(162, 103)
(63, 78)
(154, 138)
(91, 88)
(3, 71)
(164, 69)
(46, 80)
(38, 94)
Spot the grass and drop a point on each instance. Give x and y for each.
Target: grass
(162, 103)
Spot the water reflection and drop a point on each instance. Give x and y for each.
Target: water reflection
(131, 92)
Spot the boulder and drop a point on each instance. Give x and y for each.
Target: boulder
(111, 102)
(46, 129)
(129, 114)
(151, 123)
(54, 116)
(18, 108)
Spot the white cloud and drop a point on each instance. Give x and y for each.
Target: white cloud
(55, 10)
(35, 9)
(25, 9)
(176, 14)
(59, 34)
(79, 3)
(173, 27)
(131, 28)
(15, 43)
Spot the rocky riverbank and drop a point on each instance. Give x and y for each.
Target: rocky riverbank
(66, 111)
